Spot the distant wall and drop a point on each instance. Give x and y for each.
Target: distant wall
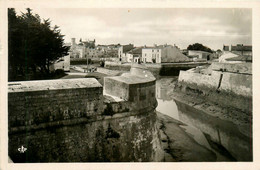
(163, 69)
(117, 66)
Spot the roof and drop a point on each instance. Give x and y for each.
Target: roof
(137, 50)
(127, 48)
(173, 54)
(241, 48)
(157, 47)
(146, 47)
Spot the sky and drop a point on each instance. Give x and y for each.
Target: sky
(148, 26)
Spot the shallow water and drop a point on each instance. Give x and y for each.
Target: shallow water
(167, 106)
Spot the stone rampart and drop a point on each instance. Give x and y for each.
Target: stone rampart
(134, 91)
(36, 102)
(72, 121)
(227, 84)
(218, 101)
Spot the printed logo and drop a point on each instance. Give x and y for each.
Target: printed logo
(22, 149)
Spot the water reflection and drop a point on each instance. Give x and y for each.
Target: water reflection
(167, 106)
(218, 132)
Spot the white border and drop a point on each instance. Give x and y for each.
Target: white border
(255, 5)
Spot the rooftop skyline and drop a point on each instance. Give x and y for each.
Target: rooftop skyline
(210, 27)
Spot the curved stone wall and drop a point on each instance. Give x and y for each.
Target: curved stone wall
(72, 121)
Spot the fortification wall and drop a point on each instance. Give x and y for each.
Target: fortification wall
(218, 101)
(72, 121)
(163, 69)
(227, 84)
(36, 102)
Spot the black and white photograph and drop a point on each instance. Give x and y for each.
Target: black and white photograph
(125, 85)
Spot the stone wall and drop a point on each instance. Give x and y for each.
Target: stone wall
(163, 69)
(218, 101)
(134, 91)
(227, 84)
(72, 121)
(35, 102)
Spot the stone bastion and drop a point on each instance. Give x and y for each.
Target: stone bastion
(218, 100)
(78, 120)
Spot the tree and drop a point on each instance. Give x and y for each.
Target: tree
(33, 44)
(199, 47)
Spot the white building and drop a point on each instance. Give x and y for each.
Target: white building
(122, 52)
(162, 54)
(200, 54)
(134, 55)
(62, 64)
(151, 55)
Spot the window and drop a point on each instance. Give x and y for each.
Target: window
(152, 50)
(145, 54)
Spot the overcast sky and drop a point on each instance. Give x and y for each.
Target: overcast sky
(211, 27)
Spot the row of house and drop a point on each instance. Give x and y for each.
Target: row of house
(88, 49)
(154, 54)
